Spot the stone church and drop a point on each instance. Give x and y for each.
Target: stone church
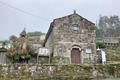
(72, 38)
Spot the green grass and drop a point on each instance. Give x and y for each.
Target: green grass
(113, 54)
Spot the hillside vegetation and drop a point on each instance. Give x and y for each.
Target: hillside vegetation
(112, 52)
(109, 26)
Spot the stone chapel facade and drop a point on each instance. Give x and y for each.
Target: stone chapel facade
(73, 38)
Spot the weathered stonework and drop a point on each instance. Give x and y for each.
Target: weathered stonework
(72, 32)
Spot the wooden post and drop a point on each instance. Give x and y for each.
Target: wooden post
(37, 58)
(49, 58)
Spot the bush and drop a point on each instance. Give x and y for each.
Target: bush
(100, 45)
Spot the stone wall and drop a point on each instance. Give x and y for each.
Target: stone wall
(59, 72)
(65, 32)
(62, 37)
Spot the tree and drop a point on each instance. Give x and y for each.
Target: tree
(17, 53)
(13, 38)
(109, 26)
(99, 33)
(100, 45)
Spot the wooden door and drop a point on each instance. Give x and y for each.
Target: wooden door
(75, 56)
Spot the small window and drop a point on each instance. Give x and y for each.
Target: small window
(76, 28)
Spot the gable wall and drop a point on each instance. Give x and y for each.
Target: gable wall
(63, 38)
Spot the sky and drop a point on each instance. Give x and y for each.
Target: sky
(36, 15)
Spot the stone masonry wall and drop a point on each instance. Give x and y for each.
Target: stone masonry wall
(62, 37)
(59, 72)
(65, 37)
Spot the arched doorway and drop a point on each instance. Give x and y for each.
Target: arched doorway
(75, 56)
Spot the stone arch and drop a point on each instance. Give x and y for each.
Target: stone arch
(76, 46)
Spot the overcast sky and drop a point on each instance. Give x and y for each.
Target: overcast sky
(36, 15)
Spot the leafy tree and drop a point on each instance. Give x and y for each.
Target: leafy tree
(13, 38)
(99, 32)
(17, 53)
(109, 26)
(100, 45)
